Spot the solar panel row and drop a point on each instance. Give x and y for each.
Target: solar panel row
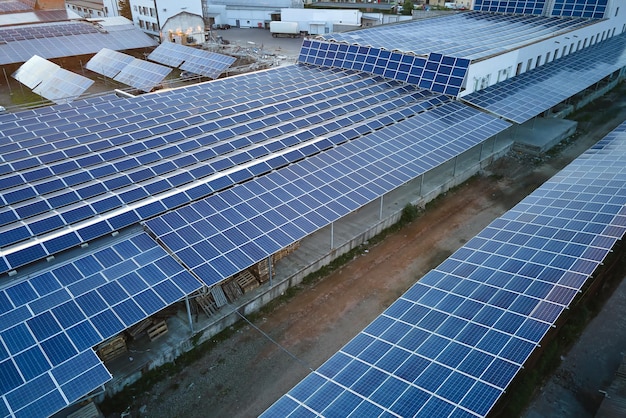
(452, 344)
(229, 231)
(470, 35)
(22, 33)
(525, 96)
(581, 8)
(109, 63)
(50, 321)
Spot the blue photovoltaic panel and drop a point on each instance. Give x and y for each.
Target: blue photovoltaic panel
(580, 8)
(531, 7)
(267, 214)
(470, 35)
(108, 62)
(50, 322)
(142, 75)
(525, 96)
(105, 179)
(458, 337)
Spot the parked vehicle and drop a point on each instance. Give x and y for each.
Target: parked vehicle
(278, 28)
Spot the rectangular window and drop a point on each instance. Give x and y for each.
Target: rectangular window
(547, 57)
(538, 62)
(519, 68)
(529, 64)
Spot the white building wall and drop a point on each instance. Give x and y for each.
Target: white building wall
(93, 9)
(319, 21)
(182, 27)
(249, 18)
(150, 15)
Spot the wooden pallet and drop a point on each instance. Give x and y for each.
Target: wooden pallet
(284, 252)
(157, 330)
(207, 304)
(139, 328)
(246, 281)
(112, 348)
(232, 290)
(260, 270)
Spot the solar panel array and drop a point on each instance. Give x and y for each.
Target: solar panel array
(60, 170)
(196, 61)
(471, 35)
(581, 8)
(438, 73)
(51, 81)
(142, 75)
(108, 62)
(50, 321)
(452, 344)
(87, 40)
(523, 97)
(229, 231)
(13, 6)
(532, 7)
(22, 33)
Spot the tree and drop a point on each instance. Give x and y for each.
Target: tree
(407, 7)
(124, 9)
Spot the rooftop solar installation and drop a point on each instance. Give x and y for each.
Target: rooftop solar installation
(532, 7)
(109, 63)
(437, 73)
(581, 8)
(50, 322)
(12, 6)
(83, 41)
(470, 35)
(197, 61)
(231, 230)
(137, 176)
(452, 344)
(142, 75)
(525, 96)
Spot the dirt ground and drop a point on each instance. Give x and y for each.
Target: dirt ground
(246, 373)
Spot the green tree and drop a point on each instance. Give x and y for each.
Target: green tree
(407, 7)
(124, 7)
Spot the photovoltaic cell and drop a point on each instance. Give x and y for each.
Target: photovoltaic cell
(457, 338)
(525, 96)
(532, 7)
(34, 71)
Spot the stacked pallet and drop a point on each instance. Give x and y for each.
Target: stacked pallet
(261, 271)
(112, 348)
(286, 251)
(246, 281)
(137, 329)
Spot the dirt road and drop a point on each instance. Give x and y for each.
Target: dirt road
(245, 374)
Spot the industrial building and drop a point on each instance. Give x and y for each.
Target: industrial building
(120, 216)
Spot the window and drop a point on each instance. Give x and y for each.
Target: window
(547, 57)
(141, 25)
(556, 53)
(578, 46)
(529, 64)
(616, 11)
(538, 62)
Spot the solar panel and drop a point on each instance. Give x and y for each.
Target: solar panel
(182, 178)
(50, 321)
(108, 62)
(34, 71)
(525, 96)
(532, 7)
(223, 241)
(63, 86)
(197, 61)
(470, 35)
(72, 44)
(580, 8)
(142, 75)
(12, 6)
(452, 344)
